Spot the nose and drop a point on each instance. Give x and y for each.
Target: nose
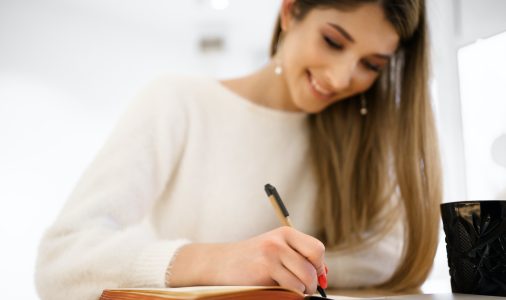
(340, 75)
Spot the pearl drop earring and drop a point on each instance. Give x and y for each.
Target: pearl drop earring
(278, 70)
(363, 109)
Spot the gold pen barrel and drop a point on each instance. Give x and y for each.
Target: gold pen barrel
(284, 220)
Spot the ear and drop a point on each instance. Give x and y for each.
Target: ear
(286, 14)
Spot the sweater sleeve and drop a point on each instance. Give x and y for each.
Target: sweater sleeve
(103, 237)
(368, 266)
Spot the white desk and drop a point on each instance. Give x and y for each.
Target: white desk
(445, 297)
(425, 297)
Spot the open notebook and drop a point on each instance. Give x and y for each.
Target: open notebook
(212, 293)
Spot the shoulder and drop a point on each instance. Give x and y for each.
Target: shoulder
(170, 93)
(173, 85)
(174, 80)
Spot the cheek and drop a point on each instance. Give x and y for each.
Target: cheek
(302, 53)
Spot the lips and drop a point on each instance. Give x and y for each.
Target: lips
(317, 89)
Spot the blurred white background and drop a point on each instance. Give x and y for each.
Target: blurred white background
(68, 68)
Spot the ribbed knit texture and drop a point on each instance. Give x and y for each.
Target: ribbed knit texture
(187, 163)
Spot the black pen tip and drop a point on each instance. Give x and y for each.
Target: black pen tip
(269, 189)
(322, 292)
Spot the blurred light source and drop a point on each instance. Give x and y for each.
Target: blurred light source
(499, 150)
(482, 70)
(219, 4)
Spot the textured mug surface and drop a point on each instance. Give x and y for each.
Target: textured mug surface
(476, 246)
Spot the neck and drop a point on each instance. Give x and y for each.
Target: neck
(265, 88)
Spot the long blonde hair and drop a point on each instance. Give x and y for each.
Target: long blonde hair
(362, 163)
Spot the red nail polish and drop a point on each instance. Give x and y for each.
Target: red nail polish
(322, 280)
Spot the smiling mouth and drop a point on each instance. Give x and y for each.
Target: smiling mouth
(317, 89)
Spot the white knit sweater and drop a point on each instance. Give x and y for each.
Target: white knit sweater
(188, 163)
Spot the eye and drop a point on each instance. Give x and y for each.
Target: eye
(373, 67)
(332, 43)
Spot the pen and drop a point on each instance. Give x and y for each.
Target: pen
(284, 216)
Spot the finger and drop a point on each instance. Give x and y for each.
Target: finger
(301, 268)
(309, 247)
(287, 279)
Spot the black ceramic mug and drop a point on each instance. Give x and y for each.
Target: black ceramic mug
(476, 246)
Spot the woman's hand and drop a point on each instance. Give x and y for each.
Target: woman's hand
(283, 256)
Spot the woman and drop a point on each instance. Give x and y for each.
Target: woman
(339, 120)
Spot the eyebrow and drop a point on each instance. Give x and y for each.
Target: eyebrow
(343, 32)
(383, 56)
(350, 38)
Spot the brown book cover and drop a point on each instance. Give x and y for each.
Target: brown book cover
(208, 293)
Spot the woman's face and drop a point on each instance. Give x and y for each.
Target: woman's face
(331, 54)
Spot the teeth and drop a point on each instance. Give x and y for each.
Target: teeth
(319, 88)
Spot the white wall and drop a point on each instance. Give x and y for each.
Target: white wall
(479, 19)
(68, 68)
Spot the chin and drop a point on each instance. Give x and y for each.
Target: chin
(311, 109)
(312, 105)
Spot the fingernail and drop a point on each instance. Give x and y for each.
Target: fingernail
(322, 280)
(326, 269)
